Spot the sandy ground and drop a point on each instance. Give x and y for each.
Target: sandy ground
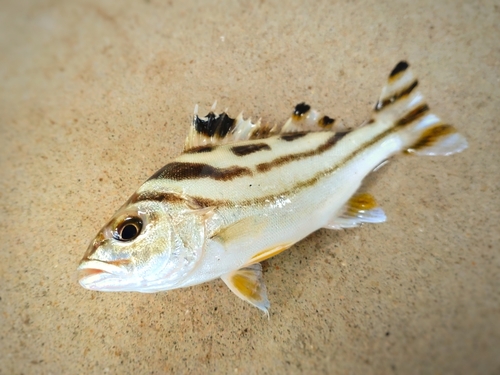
(97, 95)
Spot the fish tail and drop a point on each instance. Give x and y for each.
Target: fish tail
(403, 107)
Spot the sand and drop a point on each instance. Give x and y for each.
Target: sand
(95, 96)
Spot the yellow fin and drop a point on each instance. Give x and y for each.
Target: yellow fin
(268, 253)
(247, 284)
(361, 208)
(361, 202)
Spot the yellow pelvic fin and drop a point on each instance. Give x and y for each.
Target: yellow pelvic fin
(268, 253)
(361, 208)
(247, 284)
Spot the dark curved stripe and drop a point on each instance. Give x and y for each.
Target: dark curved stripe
(413, 115)
(428, 137)
(188, 171)
(264, 167)
(169, 197)
(332, 169)
(432, 133)
(292, 136)
(292, 190)
(400, 67)
(405, 91)
(200, 149)
(157, 196)
(249, 149)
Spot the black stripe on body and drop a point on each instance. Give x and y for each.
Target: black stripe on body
(265, 167)
(415, 114)
(169, 197)
(293, 190)
(180, 171)
(292, 136)
(200, 149)
(249, 149)
(186, 171)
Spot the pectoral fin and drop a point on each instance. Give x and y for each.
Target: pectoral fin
(247, 284)
(361, 208)
(244, 230)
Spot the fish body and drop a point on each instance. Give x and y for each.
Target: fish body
(244, 192)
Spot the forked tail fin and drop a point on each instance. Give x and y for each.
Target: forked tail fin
(403, 107)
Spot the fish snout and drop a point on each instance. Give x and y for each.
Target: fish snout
(93, 273)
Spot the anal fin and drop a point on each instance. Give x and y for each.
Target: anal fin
(361, 208)
(247, 284)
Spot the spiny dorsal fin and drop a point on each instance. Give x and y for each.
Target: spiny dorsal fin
(213, 129)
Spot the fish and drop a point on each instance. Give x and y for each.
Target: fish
(242, 192)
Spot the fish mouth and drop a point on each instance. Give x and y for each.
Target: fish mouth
(92, 274)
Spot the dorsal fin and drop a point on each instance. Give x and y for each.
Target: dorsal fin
(304, 118)
(220, 129)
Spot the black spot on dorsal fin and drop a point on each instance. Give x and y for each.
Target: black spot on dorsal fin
(325, 121)
(214, 125)
(214, 130)
(301, 109)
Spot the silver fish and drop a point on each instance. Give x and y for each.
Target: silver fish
(244, 192)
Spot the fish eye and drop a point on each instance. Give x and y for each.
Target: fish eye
(128, 229)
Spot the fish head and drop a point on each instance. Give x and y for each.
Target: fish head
(146, 247)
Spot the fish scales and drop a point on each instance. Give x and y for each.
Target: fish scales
(243, 192)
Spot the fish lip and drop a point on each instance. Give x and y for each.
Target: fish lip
(92, 270)
(112, 267)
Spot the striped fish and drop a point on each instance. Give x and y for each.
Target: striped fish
(244, 192)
